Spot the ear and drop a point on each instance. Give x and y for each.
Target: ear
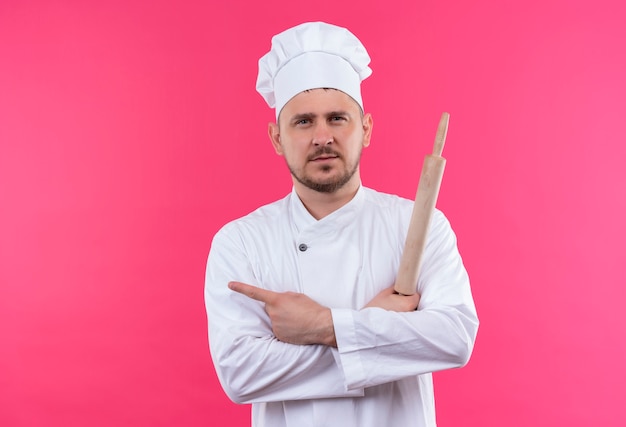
(368, 124)
(274, 134)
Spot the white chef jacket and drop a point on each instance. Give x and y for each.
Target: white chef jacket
(380, 372)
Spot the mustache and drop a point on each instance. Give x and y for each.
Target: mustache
(325, 150)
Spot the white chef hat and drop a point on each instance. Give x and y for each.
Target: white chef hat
(309, 56)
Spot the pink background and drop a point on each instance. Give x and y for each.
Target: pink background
(131, 131)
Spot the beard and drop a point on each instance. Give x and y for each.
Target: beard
(326, 185)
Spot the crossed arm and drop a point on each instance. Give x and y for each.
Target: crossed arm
(297, 319)
(258, 336)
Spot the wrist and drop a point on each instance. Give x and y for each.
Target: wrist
(327, 329)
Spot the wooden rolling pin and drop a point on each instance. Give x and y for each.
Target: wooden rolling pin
(425, 200)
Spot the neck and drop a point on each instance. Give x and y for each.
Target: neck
(320, 205)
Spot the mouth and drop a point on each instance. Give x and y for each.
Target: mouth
(323, 156)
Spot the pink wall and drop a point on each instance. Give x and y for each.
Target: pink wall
(130, 134)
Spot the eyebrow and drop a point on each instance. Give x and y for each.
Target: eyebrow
(338, 113)
(302, 116)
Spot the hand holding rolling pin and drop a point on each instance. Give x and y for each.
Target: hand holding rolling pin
(425, 200)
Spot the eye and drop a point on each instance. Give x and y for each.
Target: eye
(337, 118)
(304, 121)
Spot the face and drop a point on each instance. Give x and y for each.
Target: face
(321, 134)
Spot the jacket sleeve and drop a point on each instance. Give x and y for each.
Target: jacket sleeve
(378, 346)
(251, 364)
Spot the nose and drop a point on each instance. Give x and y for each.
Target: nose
(322, 134)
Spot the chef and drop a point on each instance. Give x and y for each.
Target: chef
(304, 323)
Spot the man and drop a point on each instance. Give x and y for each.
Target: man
(303, 320)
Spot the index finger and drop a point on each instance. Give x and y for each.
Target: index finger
(253, 292)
